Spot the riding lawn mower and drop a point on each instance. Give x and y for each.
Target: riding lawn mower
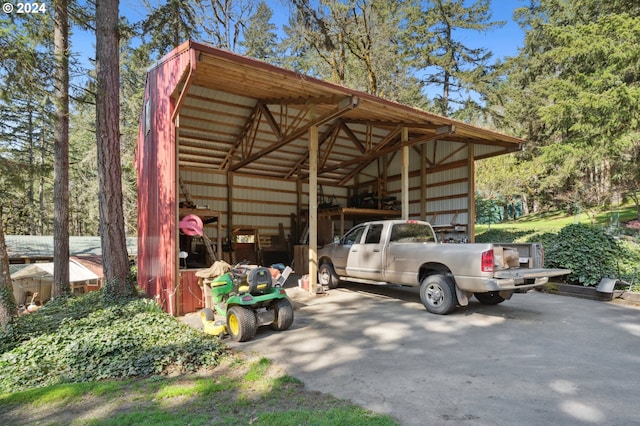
(245, 298)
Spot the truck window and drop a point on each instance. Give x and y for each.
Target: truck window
(411, 233)
(374, 234)
(354, 236)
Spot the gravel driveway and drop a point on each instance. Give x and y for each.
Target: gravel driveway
(535, 359)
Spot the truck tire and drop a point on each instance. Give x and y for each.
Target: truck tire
(241, 323)
(489, 298)
(327, 276)
(283, 315)
(438, 294)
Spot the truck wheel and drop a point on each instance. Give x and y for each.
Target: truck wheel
(207, 315)
(327, 276)
(438, 294)
(283, 315)
(489, 298)
(241, 323)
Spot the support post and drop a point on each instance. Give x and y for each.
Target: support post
(405, 173)
(471, 197)
(229, 215)
(313, 209)
(423, 182)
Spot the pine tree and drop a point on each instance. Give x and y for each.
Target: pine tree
(61, 284)
(446, 63)
(114, 247)
(260, 39)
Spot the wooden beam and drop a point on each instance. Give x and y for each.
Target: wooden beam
(229, 210)
(347, 131)
(404, 140)
(330, 133)
(368, 157)
(346, 105)
(423, 182)
(266, 113)
(365, 162)
(471, 199)
(313, 209)
(253, 117)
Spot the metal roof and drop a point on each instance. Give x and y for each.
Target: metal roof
(41, 247)
(77, 272)
(242, 115)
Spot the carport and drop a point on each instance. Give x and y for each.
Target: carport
(243, 144)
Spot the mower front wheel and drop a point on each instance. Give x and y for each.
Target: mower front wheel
(241, 323)
(283, 315)
(207, 315)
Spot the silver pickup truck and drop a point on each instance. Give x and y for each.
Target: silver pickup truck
(406, 252)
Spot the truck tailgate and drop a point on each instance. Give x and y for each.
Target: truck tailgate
(530, 273)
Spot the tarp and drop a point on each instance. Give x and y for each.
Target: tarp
(77, 272)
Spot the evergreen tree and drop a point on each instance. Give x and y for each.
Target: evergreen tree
(170, 24)
(260, 39)
(573, 91)
(26, 70)
(446, 63)
(114, 247)
(61, 283)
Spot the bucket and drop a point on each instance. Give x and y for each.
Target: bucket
(304, 282)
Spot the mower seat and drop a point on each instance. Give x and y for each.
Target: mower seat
(259, 281)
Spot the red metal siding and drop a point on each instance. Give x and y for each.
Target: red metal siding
(156, 167)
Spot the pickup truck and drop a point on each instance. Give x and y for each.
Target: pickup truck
(406, 252)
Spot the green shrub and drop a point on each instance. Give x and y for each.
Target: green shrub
(90, 338)
(588, 251)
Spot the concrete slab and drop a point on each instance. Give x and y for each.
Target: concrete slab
(535, 359)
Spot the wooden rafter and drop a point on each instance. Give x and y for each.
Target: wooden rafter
(347, 131)
(347, 104)
(368, 157)
(266, 113)
(451, 154)
(321, 140)
(251, 120)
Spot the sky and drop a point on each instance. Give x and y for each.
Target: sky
(502, 42)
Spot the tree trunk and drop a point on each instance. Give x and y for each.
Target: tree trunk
(114, 248)
(61, 283)
(8, 308)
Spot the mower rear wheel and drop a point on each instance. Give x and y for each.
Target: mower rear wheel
(283, 315)
(241, 323)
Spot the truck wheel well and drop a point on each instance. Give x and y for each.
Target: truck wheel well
(432, 269)
(323, 260)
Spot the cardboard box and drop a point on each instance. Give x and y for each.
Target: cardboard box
(511, 258)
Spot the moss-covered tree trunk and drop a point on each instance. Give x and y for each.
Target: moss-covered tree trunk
(8, 308)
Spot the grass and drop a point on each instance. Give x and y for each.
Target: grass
(553, 221)
(239, 391)
(140, 366)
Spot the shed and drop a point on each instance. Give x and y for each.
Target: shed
(38, 277)
(247, 145)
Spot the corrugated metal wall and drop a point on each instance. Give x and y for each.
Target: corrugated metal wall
(156, 165)
(262, 203)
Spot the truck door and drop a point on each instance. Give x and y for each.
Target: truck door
(365, 258)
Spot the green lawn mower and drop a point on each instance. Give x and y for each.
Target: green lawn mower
(244, 299)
